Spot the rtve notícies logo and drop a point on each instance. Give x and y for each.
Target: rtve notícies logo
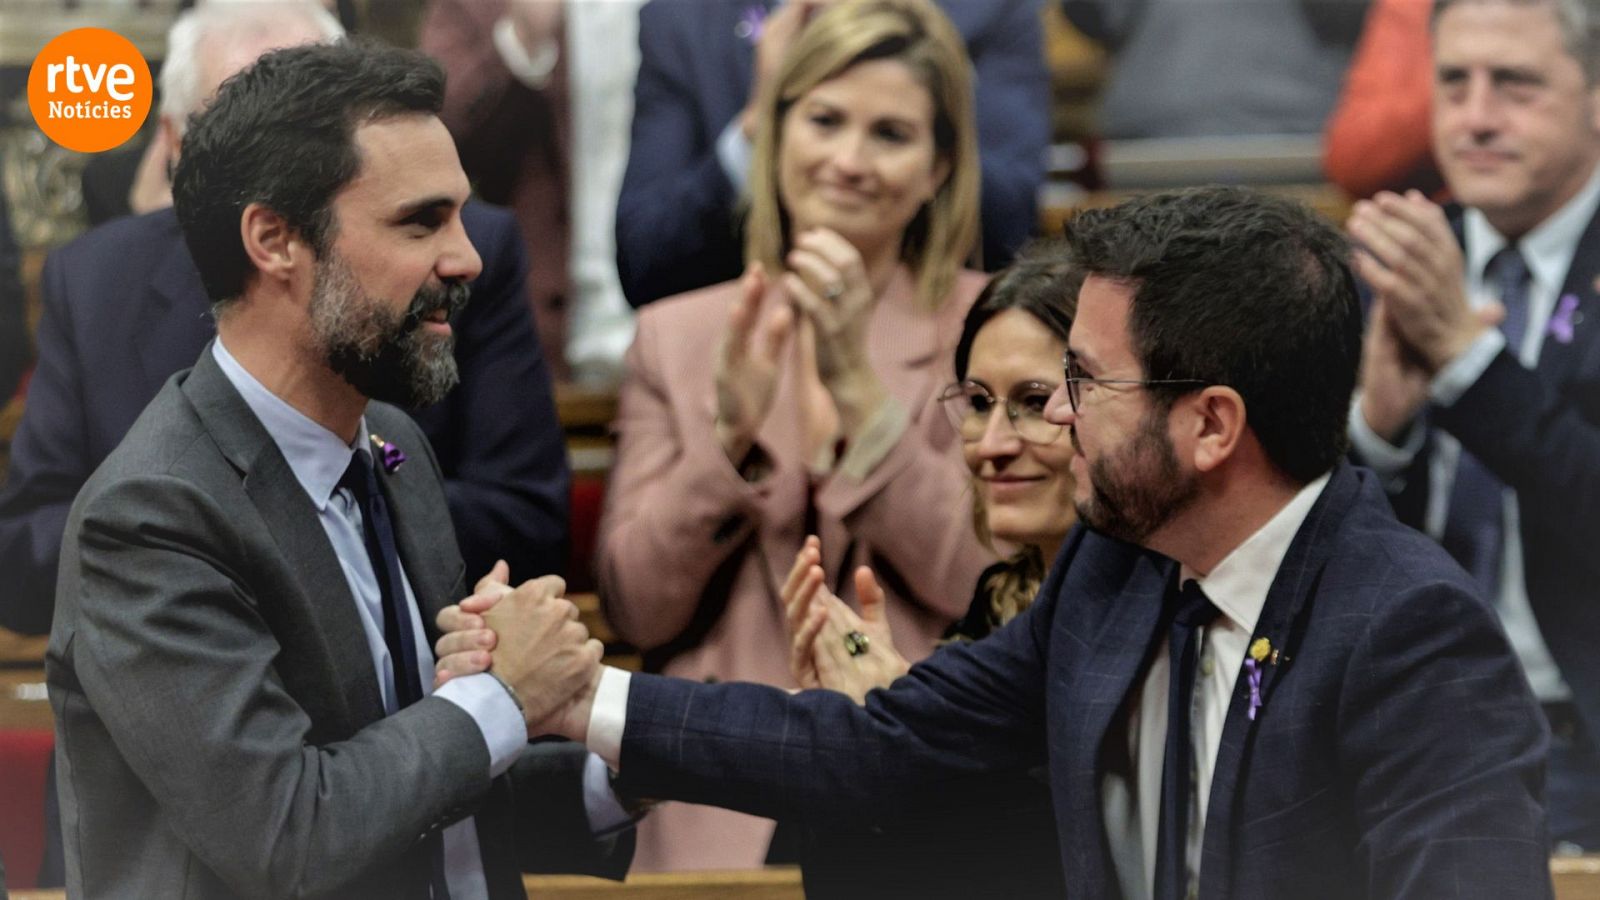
(89, 89)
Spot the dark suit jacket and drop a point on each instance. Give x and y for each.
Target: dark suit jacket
(219, 727)
(1539, 432)
(1398, 752)
(675, 223)
(124, 309)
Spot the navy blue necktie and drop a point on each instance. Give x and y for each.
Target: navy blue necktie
(1190, 613)
(362, 482)
(1474, 530)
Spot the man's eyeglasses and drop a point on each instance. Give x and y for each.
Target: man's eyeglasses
(1075, 379)
(969, 406)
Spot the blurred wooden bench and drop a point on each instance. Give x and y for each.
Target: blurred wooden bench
(1576, 878)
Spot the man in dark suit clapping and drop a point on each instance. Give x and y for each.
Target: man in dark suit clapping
(1480, 395)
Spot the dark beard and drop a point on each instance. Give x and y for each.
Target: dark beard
(386, 357)
(1139, 489)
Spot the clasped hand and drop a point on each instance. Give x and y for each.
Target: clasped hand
(530, 638)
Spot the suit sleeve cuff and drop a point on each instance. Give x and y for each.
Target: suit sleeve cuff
(609, 716)
(733, 152)
(498, 719)
(1382, 457)
(605, 810)
(1464, 371)
(532, 69)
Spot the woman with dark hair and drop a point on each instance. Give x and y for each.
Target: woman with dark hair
(993, 835)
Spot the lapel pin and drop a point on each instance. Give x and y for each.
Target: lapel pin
(1564, 318)
(391, 456)
(1261, 651)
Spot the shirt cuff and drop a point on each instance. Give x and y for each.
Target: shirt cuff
(875, 439)
(1464, 371)
(504, 731)
(605, 810)
(1380, 456)
(734, 152)
(609, 715)
(532, 69)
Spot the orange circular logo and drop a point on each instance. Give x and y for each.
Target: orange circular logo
(89, 89)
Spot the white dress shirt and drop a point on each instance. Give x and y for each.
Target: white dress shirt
(1238, 587)
(318, 459)
(1548, 251)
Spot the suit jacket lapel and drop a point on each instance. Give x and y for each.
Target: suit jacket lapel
(1562, 349)
(322, 614)
(1282, 623)
(1099, 697)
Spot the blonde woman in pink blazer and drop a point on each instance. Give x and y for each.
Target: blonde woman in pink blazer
(802, 398)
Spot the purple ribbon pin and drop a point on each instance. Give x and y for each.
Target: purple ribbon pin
(391, 456)
(1562, 320)
(1253, 677)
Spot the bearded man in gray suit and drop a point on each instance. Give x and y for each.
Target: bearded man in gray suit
(240, 665)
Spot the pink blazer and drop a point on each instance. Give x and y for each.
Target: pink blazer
(692, 557)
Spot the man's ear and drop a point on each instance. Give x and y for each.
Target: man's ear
(274, 248)
(1218, 425)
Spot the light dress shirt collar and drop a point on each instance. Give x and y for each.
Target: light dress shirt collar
(1547, 249)
(316, 455)
(1238, 585)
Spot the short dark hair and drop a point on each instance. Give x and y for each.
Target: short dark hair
(1239, 288)
(1042, 281)
(282, 133)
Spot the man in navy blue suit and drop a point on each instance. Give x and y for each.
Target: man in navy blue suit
(1488, 437)
(124, 309)
(699, 64)
(1246, 678)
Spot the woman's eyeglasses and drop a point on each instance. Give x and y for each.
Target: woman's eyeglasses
(969, 406)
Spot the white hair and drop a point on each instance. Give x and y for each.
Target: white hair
(212, 28)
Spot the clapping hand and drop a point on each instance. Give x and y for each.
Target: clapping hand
(826, 647)
(748, 364)
(1412, 260)
(828, 282)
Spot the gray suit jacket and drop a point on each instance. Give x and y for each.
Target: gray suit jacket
(219, 727)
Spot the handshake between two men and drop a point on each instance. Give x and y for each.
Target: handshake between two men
(530, 639)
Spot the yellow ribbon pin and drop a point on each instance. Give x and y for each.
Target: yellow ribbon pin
(1260, 649)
